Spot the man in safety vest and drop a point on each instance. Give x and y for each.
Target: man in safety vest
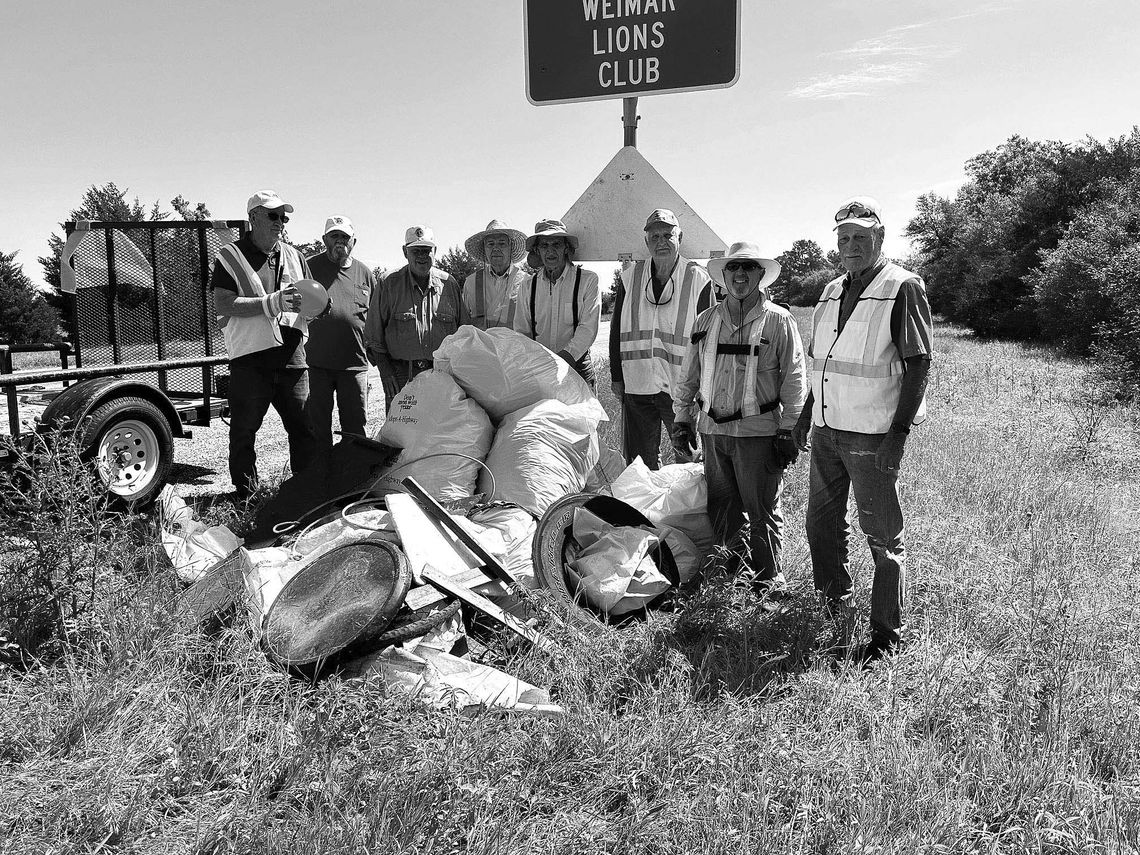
(743, 384)
(413, 310)
(560, 306)
(654, 311)
(257, 307)
(491, 291)
(338, 363)
(870, 356)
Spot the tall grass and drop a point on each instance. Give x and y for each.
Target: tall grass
(1010, 722)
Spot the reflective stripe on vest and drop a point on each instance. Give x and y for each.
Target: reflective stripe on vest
(856, 375)
(710, 346)
(253, 333)
(663, 334)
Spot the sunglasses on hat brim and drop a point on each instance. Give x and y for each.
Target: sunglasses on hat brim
(856, 209)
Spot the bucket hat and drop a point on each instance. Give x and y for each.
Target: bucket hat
(474, 244)
(745, 251)
(551, 228)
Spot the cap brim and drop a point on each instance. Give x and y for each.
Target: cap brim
(420, 243)
(570, 239)
(348, 232)
(865, 222)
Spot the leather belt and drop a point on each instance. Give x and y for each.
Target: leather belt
(420, 364)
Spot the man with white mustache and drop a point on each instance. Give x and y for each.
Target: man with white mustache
(742, 388)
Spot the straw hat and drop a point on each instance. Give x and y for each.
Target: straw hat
(474, 244)
(745, 251)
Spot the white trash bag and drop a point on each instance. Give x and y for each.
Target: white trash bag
(674, 495)
(542, 453)
(433, 415)
(505, 372)
(615, 570)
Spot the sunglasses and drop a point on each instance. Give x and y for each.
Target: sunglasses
(856, 209)
(274, 216)
(746, 266)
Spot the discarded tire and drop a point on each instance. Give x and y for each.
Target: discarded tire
(553, 547)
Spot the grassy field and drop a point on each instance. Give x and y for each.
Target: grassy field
(1010, 723)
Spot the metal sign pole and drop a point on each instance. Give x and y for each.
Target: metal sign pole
(630, 119)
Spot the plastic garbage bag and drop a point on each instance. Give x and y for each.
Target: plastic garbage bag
(192, 546)
(540, 454)
(505, 372)
(517, 527)
(432, 415)
(675, 495)
(601, 477)
(615, 571)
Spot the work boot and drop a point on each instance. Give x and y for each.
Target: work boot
(772, 592)
(879, 647)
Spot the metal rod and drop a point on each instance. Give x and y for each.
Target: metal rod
(159, 309)
(204, 276)
(10, 393)
(106, 371)
(113, 298)
(630, 119)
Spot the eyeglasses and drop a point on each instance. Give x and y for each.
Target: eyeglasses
(274, 216)
(857, 209)
(746, 266)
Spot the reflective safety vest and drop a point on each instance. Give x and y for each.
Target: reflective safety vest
(479, 313)
(763, 333)
(857, 374)
(653, 337)
(253, 333)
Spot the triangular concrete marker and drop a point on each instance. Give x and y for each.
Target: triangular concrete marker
(609, 217)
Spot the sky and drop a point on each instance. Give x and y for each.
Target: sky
(401, 112)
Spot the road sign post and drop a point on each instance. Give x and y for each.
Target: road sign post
(589, 50)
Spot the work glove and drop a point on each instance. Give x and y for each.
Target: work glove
(684, 438)
(785, 449)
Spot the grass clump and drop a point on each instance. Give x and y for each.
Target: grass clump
(1008, 724)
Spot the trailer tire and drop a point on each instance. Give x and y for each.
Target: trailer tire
(128, 441)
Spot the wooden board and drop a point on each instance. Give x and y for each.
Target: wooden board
(427, 595)
(424, 542)
(445, 582)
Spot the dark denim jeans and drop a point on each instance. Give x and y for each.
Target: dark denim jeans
(252, 392)
(351, 391)
(641, 419)
(842, 460)
(743, 477)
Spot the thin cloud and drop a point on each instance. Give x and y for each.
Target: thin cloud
(891, 58)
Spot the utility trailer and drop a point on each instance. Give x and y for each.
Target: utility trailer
(141, 364)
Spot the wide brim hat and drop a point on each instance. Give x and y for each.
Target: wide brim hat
(554, 547)
(474, 244)
(551, 228)
(745, 251)
(337, 603)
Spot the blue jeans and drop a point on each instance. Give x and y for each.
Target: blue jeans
(252, 392)
(743, 477)
(841, 460)
(351, 391)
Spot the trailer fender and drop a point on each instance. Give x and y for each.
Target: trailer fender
(77, 402)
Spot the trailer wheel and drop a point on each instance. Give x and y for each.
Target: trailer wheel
(128, 441)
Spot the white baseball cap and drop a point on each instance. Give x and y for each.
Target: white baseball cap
(419, 236)
(339, 224)
(267, 199)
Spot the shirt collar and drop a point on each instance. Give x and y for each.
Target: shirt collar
(862, 280)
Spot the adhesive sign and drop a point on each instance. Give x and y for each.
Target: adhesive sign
(589, 50)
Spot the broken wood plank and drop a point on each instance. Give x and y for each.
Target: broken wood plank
(437, 513)
(423, 542)
(446, 583)
(427, 595)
